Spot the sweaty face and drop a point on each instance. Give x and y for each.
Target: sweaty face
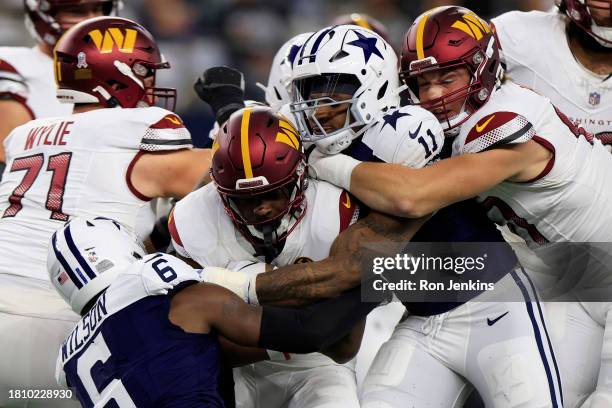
(601, 12)
(434, 85)
(330, 117)
(71, 15)
(263, 207)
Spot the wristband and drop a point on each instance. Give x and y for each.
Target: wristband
(236, 282)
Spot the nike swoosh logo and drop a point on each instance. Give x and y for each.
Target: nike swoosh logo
(176, 121)
(480, 128)
(414, 134)
(492, 322)
(347, 204)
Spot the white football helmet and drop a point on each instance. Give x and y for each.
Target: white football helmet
(343, 59)
(86, 255)
(279, 81)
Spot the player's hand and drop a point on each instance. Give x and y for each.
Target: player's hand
(336, 169)
(223, 89)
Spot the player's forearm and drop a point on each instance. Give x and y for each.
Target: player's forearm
(382, 187)
(300, 284)
(413, 193)
(236, 355)
(314, 327)
(347, 347)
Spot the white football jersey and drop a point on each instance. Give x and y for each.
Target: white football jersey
(202, 231)
(538, 56)
(570, 200)
(76, 165)
(26, 75)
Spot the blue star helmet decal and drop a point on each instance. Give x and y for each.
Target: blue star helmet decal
(367, 44)
(391, 119)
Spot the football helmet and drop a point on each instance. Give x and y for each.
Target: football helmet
(258, 152)
(40, 16)
(365, 21)
(279, 82)
(452, 37)
(343, 59)
(579, 12)
(85, 257)
(110, 60)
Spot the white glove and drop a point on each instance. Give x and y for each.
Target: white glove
(336, 169)
(240, 283)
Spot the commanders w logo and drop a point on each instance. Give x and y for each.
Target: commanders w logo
(105, 42)
(472, 26)
(287, 134)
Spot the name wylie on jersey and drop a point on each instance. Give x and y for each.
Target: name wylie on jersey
(43, 133)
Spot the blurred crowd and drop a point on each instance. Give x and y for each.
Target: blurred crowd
(197, 34)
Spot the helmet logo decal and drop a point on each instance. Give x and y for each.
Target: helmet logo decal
(367, 44)
(287, 135)
(81, 60)
(472, 26)
(105, 42)
(244, 143)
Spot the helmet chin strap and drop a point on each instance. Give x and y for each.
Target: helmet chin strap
(268, 250)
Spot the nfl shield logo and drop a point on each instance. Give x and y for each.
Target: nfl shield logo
(594, 98)
(92, 257)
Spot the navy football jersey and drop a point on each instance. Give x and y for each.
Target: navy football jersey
(126, 353)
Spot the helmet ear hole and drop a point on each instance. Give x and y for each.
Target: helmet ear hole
(116, 85)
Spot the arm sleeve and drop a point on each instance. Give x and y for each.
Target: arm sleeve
(313, 327)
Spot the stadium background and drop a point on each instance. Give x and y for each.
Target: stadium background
(197, 34)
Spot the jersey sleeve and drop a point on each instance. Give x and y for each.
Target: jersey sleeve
(410, 136)
(167, 133)
(162, 272)
(12, 84)
(194, 225)
(498, 129)
(175, 237)
(348, 209)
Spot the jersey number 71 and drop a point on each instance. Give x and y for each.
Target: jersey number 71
(58, 164)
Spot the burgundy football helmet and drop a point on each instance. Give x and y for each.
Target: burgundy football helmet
(579, 12)
(365, 21)
(40, 16)
(110, 60)
(258, 152)
(452, 37)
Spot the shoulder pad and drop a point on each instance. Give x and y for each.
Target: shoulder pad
(497, 129)
(166, 131)
(410, 136)
(193, 223)
(162, 272)
(12, 83)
